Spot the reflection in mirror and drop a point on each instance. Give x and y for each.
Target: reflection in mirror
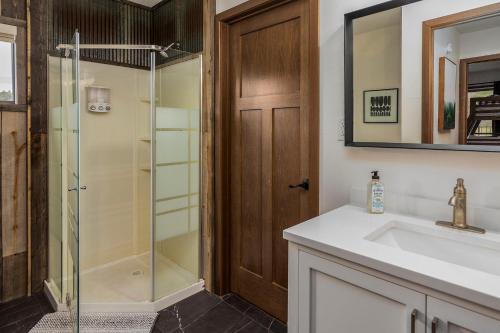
(474, 45)
(377, 77)
(483, 101)
(421, 72)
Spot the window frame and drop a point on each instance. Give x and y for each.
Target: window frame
(19, 68)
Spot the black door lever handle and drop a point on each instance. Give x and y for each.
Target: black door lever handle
(304, 185)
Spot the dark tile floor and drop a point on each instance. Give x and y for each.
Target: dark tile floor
(207, 313)
(203, 312)
(21, 315)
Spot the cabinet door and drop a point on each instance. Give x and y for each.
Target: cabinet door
(334, 298)
(444, 317)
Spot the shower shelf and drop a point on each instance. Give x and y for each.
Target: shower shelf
(146, 168)
(144, 138)
(148, 101)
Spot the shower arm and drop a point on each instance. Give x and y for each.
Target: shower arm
(161, 49)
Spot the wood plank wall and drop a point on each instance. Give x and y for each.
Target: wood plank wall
(102, 22)
(178, 21)
(13, 170)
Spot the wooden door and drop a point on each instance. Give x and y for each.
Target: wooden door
(336, 298)
(273, 144)
(443, 317)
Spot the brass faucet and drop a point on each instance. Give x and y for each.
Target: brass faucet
(459, 203)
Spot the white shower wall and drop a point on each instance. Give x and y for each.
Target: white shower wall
(113, 228)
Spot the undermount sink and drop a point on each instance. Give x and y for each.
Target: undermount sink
(468, 250)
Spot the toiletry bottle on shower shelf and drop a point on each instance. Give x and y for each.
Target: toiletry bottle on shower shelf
(375, 195)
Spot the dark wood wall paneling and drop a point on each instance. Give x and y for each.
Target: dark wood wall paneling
(14, 9)
(122, 22)
(13, 168)
(178, 21)
(102, 22)
(38, 143)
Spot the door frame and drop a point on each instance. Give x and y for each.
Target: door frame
(223, 21)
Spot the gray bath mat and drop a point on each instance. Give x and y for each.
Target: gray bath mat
(59, 322)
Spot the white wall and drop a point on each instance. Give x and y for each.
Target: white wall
(376, 66)
(109, 165)
(419, 173)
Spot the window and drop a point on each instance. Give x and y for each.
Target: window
(7, 72)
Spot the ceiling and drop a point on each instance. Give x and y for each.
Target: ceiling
(148, 3)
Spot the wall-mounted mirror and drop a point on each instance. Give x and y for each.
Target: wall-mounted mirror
(424, 74)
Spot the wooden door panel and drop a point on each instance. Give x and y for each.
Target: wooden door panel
(251, 184)
(270, 62)
(286, 171)
(269, 150)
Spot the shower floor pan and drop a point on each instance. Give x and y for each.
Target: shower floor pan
(125, 286)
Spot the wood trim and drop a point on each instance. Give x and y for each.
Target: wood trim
(427, 84)
(207, 176)
(11, 107)
(442, 62)
(221, 140)
(12, 21)
(428, 28)
(463, 93)
(247, 8)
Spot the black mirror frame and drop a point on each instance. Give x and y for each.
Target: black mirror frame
(349, 89)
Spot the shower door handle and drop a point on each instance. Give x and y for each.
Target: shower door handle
(83, 188)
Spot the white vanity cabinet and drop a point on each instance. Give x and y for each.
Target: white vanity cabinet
(328, 296)
(443, 317)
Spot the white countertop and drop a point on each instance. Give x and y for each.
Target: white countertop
(342, 233)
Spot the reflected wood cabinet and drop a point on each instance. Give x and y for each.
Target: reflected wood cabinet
(327, 296)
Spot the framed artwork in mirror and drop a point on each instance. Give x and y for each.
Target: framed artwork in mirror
(447, 94)
(381, 106)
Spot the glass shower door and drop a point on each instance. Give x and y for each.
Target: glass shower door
(176, 169)
(71, 90)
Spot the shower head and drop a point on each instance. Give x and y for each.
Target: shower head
(163, 51)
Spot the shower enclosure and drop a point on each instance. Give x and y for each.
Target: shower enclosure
(124, 166)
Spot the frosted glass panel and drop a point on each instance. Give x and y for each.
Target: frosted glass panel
(177, 210)
(195, 172)
(195, 145)
(172, 204)
(172, 147)
(195, 119)
(171, 181)
(171, 224)
(172, 118)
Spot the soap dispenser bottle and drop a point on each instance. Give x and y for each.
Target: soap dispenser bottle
(375, 195)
